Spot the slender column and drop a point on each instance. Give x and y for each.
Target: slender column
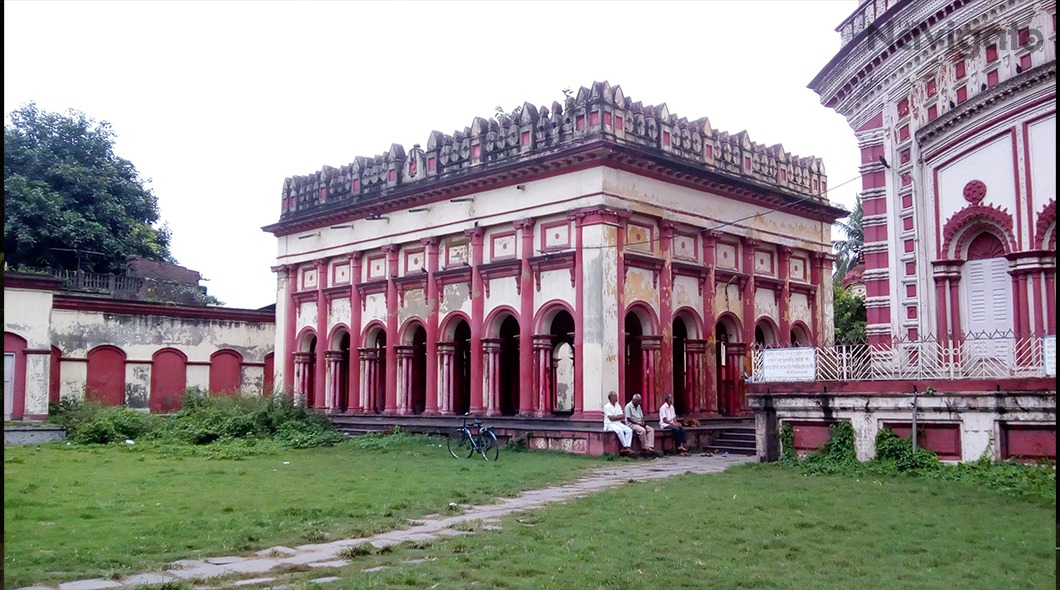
(370, 372)
(1023, 326)
(815, 301)
(579, 310)
(302, 362)
(543, 374)
(956, 330)
(620, 303)
(666, 313)
(1039, 304)
(749, 248)
(353, 396)
(477, 311)
(527, 393)
(431, 407)
(784, 307)
(710, 404)
(404, 372)
(320, 378)
(1050, 300)
(391, 329)
(649, 346)
(291, 327)
(942, 326)
(492, 351)
(334, 379)
(737, 353)
(694, 385)
(446, 355)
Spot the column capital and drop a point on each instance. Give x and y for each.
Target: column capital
(785, 252)
(666, 228)
(750, 243)
(525, 224)
(475, 234)
(320, 263)
(431, 242)
(354, 257)
(391, 249)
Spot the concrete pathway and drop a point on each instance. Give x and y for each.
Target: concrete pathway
(256, 568)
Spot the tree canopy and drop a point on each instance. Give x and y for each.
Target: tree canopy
(848, 251)
(69, 201)
(850, 316)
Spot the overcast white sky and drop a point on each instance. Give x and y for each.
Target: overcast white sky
(218, 102)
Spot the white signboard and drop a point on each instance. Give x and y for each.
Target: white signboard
(788, 364)
(1049, 352)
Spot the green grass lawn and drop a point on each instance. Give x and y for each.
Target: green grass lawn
(754, 526)
(78, 512)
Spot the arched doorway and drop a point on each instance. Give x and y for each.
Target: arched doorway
(305, 370)
(766, 334)
(226, 367)
(339, 371)
(562, 362)
(169, 378)
(800, 336)
(105, 381)
(680, 371)
(986, 298)
(14, 376)
(418, 373)
(634, 357)
(509, 366)
(461, 368)
(729, 359)
(373, 370)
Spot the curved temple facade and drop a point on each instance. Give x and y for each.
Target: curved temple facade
(529, 266)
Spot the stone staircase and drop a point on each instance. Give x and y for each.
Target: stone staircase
(735, 440)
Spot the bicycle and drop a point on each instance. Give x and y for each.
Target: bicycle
(464, 441)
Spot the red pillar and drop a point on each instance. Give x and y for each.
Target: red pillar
(1023, 327)
(391, 251)
(1039, 305)
(404, 378)
(446, 356)
(543, 374)
(353, 396)
(526, 320)
(291, 325)
(784, 308)
(710, 403)
(666, 315)
(816, 305)
(1050, 300)
(320, 378)
(492, 356)
(477, 309)
(956, 330)
(940, 299)
(749, 248)
(431, 406)
(649, 346)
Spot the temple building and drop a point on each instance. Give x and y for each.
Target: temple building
(527, 266)
(953, 103)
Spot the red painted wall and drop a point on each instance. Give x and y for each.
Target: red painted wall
(169, 378)
(810, 435)
(17, 345)
(54, 375)
(1028, 441)
(943, 439)
(106, 376)
(225, 369)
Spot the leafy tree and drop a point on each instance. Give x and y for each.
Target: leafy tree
(848, 251)
(849, 315)
(69, 201)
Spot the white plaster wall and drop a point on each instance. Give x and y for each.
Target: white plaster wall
(415, 307)
(338, 312)
(800, 309)
(27, 313)
(137, 385)
(374, 309)
(307, 316)
(727, 299)
(600, 347)
(555, 284)
(639, 287)
(37, 372)
(1041, 136)
(454, 297)
(766, 305)
(992, 164)
(502, 293)
(77, 332)
(686, 294)
(280, 339)
(73, 375)
(252, 380)
(199, 376)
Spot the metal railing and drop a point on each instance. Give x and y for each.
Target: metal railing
(972, 356)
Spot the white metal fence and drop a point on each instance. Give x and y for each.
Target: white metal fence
(972, 356)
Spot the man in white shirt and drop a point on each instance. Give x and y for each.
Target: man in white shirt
(635, 418)
(668, 420)
(614, 421)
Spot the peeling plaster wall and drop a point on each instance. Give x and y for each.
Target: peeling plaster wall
(374, 309)
(37, 371)
(600, 342)
(338, 312)
(415, 307)
(686, 294)
(766, 305)
(979, 415)
(727, 299)
(252, 379)
(137, 386)
(77, 332)
(800, 309)
(27, 314)
(454, 297)
(640, 287)
(73, 376)
(280, 340)
(307, 316)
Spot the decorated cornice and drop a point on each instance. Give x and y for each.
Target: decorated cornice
(1015, 86)
(1046, 220)
(965, 222)
(538, 140)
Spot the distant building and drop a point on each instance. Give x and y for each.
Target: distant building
(530, 266)
(87, 335)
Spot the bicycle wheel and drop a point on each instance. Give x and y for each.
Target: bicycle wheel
(491, 449)
(459, 444)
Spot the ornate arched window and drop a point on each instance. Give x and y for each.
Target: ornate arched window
(986, 287)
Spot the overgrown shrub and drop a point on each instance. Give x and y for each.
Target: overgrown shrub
(894, 453)
(837, 455)
(94, 424)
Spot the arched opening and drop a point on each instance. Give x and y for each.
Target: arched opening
(728, 356)
(379, 389)
(562, 365)
(509, 369)
(634, 356)
(14, 376)
(418, 384)
(105, 381)
(680, 370)
(800, 336)
(305, 371)
(339, 363)
(766, 334)
(226, 368)
(461, 368)
(169, 379)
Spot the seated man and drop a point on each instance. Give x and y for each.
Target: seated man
(635, 419)
(668, 421)
(614, 421)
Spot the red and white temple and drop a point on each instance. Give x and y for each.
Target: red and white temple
(528, 267)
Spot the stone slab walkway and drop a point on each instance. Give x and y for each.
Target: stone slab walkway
(255, 569)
